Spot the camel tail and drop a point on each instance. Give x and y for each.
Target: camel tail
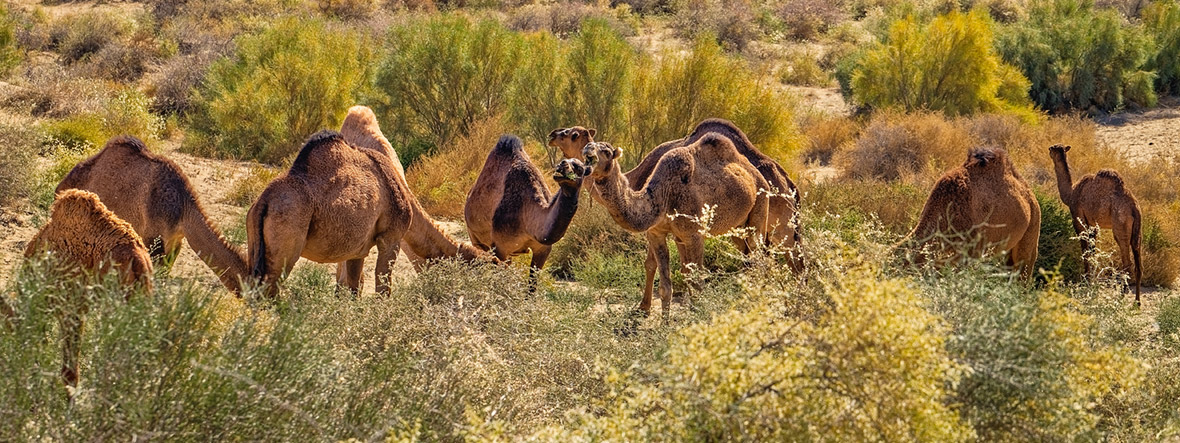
(258, 268)
(1136, 237)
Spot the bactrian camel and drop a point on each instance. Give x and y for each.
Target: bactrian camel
(784, 201)
(987, 204)
(86, 240)
(333, 205)
(511, 211)
(710, 172)
(1102, 199)
(153, 194)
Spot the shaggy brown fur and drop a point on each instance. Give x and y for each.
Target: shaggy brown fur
(334, 204)
(153, 194)
(425, 240)
(984, 197)
(784, 201)
(87, 239)
(1102, 200)
(710, 172)
(509, 210)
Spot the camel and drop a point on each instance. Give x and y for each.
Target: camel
(335, 204)
(360, 129)
(708, 173)
(509, 210)
(984, 197)
(87, 239)
(784, 201)
(152, 194)
(1102, 199)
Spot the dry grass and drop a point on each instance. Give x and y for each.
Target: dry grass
(896, 145)
(827, 136)
(247, 189)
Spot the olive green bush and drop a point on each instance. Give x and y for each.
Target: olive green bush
(286, 82)
(17, 161)
(1161, 21)
(948, 65)
(1057, 248)
(9, 54)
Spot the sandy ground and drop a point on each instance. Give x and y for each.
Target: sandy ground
(1144, 136)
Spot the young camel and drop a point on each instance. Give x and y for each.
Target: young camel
(509, 210)
(708, 173)
(985, 197)
(1102, 199)
(88, 240)
(784, 200)
(152, 194)
(334, 204)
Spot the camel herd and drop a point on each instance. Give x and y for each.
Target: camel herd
(346, 192)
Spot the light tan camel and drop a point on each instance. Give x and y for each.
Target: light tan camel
(152, 194)
(334, 204)
(1102, 200)
(986, 202)
(784, 201)
(709, 173)
(87, 240)
(510, 211)
(360, 129)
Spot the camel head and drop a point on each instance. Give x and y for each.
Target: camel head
(1058, 151)
(601, 158)
(570, 172)
(571, 140)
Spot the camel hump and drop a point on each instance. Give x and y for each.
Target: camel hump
(508, 146)
(324, 138)
(1110, 174)
(360, 116)
(718, 143)
(129, 142)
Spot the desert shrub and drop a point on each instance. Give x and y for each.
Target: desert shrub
(347, 9)
(827, 136)
(1160, 245)
(596, 250)
(247, 189)
(801, 67)
(754, 373)
(175, 85)
(1161, 21)
(679, 91)
(895, 205)
(896, 145)
(285, 83)
(1057, 248)
(443, 74)
(566, 18)
(948, 65)
(1168, 316)
(731, 23)
(542, 102)
(1075, 57)
(9, 55)
(54, 93)
(126, 112)
(1038, 367)
(441, 181)
(807, 19)
(78, 36)
(17, 161)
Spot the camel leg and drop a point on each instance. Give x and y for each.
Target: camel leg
(659, 245)
(540, 256)
(386, 256)
(1122, 236)
(692, 255)
(649, 265)
(1086, 242)
(1024, 256)
(349, 275)
(71, 342)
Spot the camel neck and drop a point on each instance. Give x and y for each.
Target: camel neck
(226, 260)
(425, 240)
(1064, 179)
(633, 210)
(560, 213)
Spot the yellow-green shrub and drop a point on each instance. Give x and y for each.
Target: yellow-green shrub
(9, 55)
(896, 145)
(948, 65)
(286, 82)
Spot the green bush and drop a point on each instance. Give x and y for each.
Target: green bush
(9, 54)
(81, 35)
(1076, 57)
(1057, 250)
(286, 82)
(733, 24)
(443, 74)
(1168, 317)
(1161, 21)
(948, 66)
(17, 161)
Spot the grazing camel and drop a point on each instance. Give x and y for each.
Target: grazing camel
(335, 203)
(509, 210)
(709, 173)
(360, 129)
(152, 194)
(1102, 199)
(784, 201)
(984, 197)
(86, 239)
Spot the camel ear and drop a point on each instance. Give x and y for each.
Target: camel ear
(553, 134)
(593, 132)
(1067, 148)
(618, 153)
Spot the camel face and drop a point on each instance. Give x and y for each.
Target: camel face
(570, 172)
(571, 140)
(600, 158)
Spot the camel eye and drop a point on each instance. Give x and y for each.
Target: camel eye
(574, 136)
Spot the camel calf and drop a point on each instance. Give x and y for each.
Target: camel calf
(87, 239)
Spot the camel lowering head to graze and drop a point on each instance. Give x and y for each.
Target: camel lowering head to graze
(333, 205)
(86, 240)
(511, 211)
(152, 194)
(1103, 200)
(705, 186)
(983, 205)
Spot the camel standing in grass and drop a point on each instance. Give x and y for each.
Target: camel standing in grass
(1102, 200)
(87, 239)
(710, 173)
(984, 197)
(152, 194)
(333, 206)
(510, 211)
(784, 195)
